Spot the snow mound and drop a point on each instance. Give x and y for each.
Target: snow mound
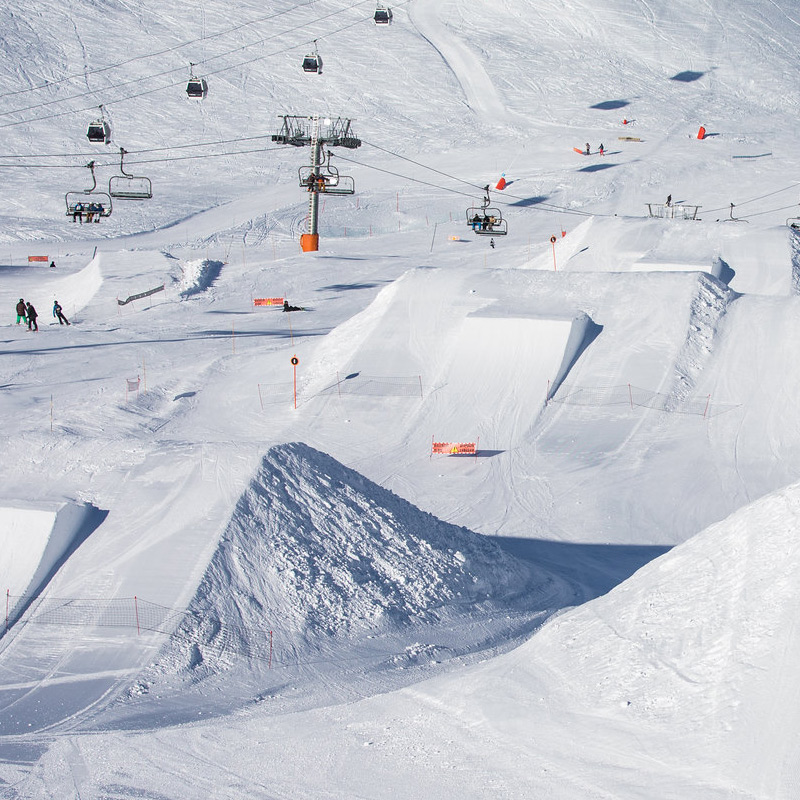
(350, 579)
(326, 551)
(198, 276)
(701, 642)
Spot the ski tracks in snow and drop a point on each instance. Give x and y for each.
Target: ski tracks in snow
(479, 91)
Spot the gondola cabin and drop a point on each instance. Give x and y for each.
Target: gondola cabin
(197, 87)
(383, 15)
(99, 131)
(313, 63)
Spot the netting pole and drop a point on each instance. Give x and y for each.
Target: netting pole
(270, 650)
(8, 594)
(260, 399)
(420, 385)
(705, 411)
(630, 395)
(136, 607)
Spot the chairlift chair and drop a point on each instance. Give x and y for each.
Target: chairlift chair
(383, 15)
(129, 187)
(88, 204)
(486, 221)
(313, 61)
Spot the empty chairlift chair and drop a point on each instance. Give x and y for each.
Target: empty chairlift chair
(129, 187)
(383, 15)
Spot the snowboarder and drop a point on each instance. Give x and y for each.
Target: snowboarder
(491, 243)
(287, 307)
(21, 311)
(32, 317)
(588, 149)
(601, 149)
(52, 265)
(58, 313)
(669, 201)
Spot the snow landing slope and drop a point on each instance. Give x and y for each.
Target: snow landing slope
(322, 574)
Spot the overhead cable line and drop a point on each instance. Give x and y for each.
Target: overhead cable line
(541, 206)
(140, 152)
(753, 199)
(144, 56)
(94, 92)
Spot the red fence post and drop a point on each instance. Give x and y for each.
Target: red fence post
(270, 650)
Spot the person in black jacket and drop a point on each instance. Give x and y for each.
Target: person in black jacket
(22, 313)
(32, 317)
(58, 313)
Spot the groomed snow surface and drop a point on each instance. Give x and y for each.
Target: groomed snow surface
(230, 575)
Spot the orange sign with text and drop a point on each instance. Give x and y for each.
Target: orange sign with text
(38, 258)
(268, 301)
(454, 448)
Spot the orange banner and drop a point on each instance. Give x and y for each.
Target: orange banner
(38, 258)
(454, 448)
(268, 301)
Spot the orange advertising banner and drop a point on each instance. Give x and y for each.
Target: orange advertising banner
(38, 258)
(268, 301)
(454, 448)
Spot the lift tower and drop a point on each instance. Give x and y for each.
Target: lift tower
(320, 177)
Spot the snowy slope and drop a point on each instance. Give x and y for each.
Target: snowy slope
(630, 381)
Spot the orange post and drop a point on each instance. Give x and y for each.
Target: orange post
(309, 242)
(701, 134)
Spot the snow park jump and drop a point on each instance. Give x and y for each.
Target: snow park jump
(530, 530)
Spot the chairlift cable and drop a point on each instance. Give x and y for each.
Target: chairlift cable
(94, 92)
(156, 54)
(540, 206)
(753, 199)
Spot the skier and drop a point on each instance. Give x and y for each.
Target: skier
(52, 265)
(601, 149)
(57, 313)
(32, 317)
(21, 311)
(588, 149)
(669, 201)
(491, 243)
(287, 307)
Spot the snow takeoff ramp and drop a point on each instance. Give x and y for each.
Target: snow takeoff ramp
(502, 371)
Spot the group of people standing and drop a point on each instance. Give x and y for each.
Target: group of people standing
(27, 313)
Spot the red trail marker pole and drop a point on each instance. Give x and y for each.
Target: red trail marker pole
(295, 362)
